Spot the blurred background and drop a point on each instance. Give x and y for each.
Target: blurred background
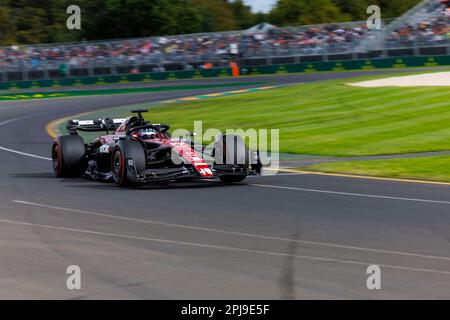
(123, 37)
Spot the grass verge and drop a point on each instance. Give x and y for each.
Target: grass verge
(78, 93)
(326, 118)
(332, 118)
(427, 168)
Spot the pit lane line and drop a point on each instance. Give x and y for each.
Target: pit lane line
(224, 248)
(234, 233)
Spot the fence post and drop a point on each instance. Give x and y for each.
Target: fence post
(416, 43)
(113, 69)
(46, 71)
(90, 69)
(24, 71)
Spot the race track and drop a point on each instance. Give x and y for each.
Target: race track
(289, 236)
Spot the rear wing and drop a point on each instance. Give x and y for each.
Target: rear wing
(98, 125)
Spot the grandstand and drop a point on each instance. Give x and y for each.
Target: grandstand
(426, 25)
(424, 30)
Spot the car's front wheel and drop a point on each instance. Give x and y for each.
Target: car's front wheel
(127, 162)
(119, 169)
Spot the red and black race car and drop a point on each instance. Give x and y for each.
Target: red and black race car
(134, 151)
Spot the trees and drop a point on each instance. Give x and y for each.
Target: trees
(7, 29)
(356, 9)
(243, 14)
(130, 18)
(109, 19)
(38, 21)
(395, 8)
(302, 12)
(218, 14)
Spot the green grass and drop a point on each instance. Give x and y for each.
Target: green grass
(327, 118)
(330, 118)
(78, 93)
(429, 168)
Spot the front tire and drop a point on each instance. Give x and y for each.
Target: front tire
(128, 150)
(119, 169)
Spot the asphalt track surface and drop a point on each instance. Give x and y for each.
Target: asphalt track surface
(282, 237)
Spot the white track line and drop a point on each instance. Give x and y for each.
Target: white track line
(249, 235)
(25, 154)
(16, 151)
(225, 248)
(363, 195)
(279, 174)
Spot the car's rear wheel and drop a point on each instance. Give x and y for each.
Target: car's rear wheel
(68, 156)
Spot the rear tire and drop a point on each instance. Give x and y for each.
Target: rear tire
(68, 156)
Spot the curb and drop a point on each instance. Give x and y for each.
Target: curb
(223, 94)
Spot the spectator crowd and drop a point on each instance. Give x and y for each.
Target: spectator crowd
(263, 41)
(193, 51)
(435, 31)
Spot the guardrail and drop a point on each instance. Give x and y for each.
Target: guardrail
(305, 67)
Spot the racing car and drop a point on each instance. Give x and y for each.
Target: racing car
(133, 152)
